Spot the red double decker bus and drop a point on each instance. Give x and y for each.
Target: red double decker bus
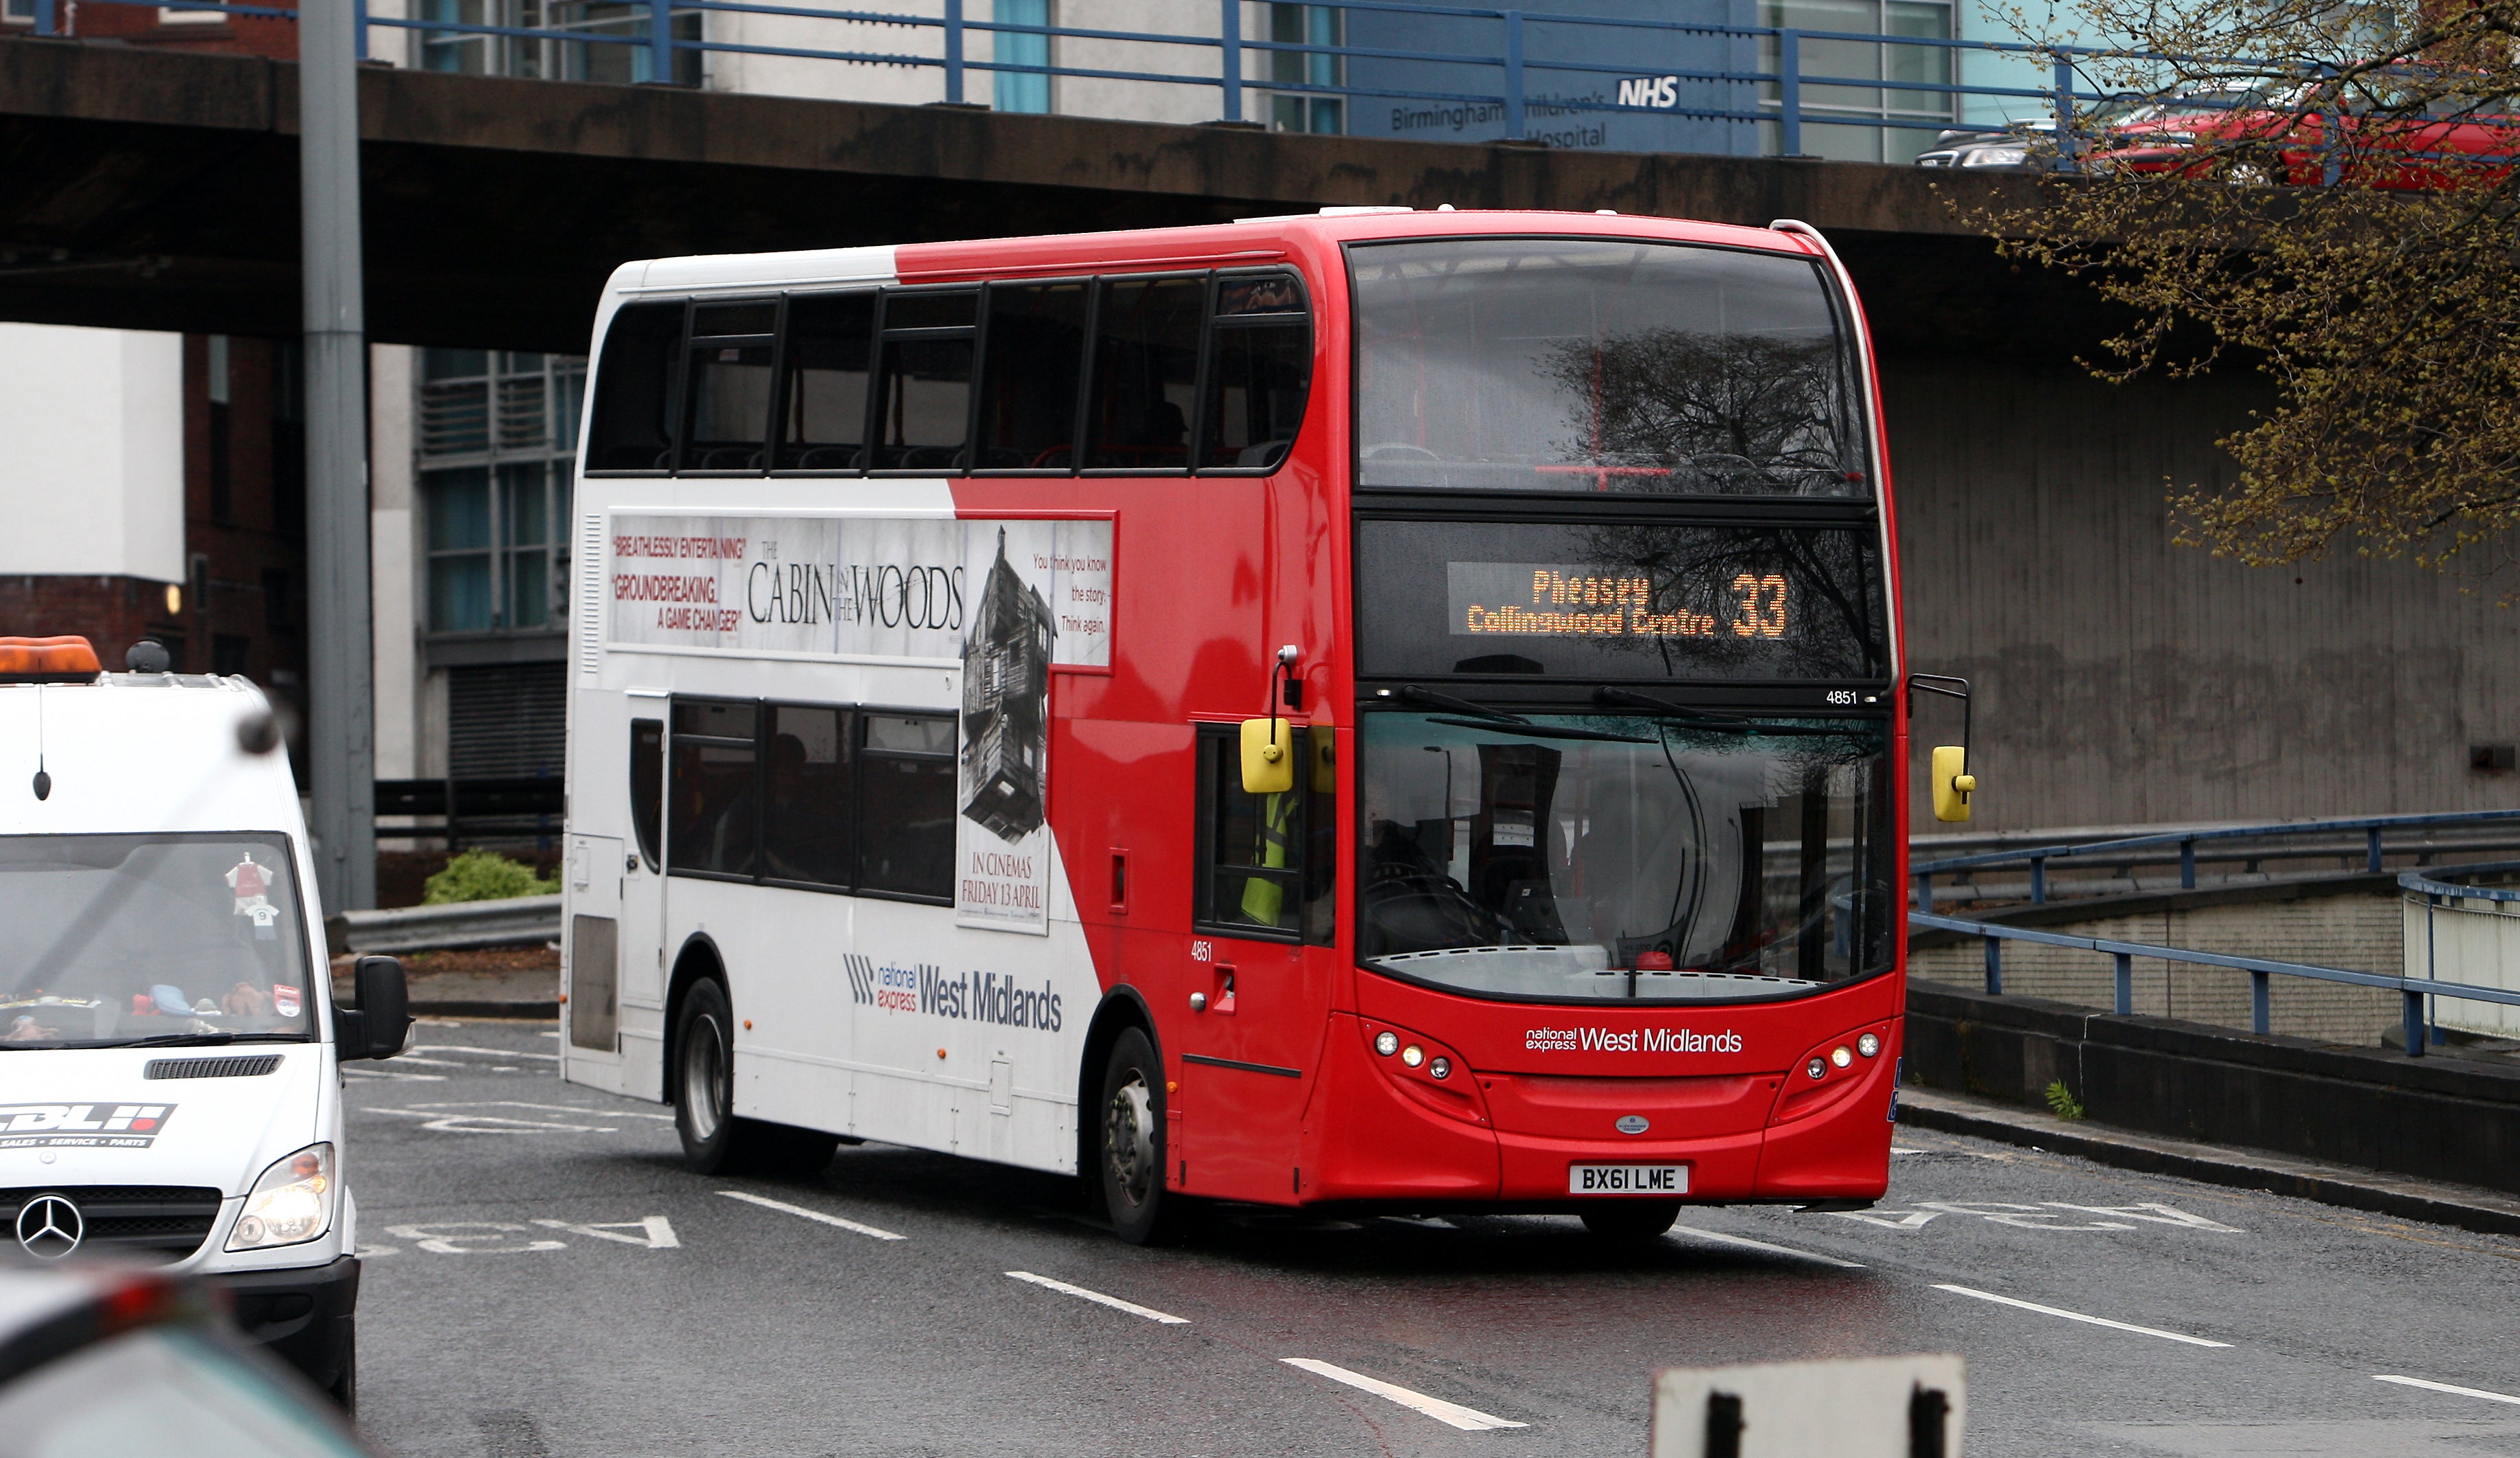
(1387, 709)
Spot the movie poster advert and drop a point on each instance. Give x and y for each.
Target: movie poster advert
(847, 586)
(1005, 601)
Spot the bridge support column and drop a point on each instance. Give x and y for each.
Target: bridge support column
(340, 642)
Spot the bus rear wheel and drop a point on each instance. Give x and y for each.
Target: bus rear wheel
(714, 1140)
(1631, 1219)
(1129, 1142)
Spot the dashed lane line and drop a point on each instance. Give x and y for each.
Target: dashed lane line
(802, 1214)
(2444, 1387)
(1451, 1414)
(1745, 1242)
(2122, 1326)
(1114, 1303)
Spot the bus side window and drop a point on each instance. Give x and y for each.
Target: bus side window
(923, 410)
(1250, 873)
(805, 816)
(715, 814)
(822, 399)
(1146, 374)
(634, 389)
(1033, 359)
(648, 787)
(726, 386)
(906, 805)
(1259, 372)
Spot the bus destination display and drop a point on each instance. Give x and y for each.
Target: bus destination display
(1620, 600)
(1544, 600)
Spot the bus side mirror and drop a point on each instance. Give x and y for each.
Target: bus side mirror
(1267, 755)
(1324, 770)
(1952, 783)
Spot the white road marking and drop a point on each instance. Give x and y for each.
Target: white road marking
(1895, 1149)
(380, 1072)
(2153, 1210)
(444, 1237)
(492, 1123)
(2024, 1217)
(2444, 1387)
(1113, 1302)
(656, 1232)
(1889, 1219)
(2123, 1326)
(410, 1057)
(1451, 1414)
(1720, 1238)
(801, 1213)
(511, 1103)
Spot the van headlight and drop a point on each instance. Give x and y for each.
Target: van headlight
(291, 1204)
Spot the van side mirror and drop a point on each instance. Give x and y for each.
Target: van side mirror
(1952, 783)
(380, 1017)
(1267, 755)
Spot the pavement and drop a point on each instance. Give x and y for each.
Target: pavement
(545, 1280)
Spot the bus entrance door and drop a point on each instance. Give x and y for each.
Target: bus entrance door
(1244, 1053)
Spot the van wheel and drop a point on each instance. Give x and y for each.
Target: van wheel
(1130, 1143)
(714, 1140)
(1631, 1219)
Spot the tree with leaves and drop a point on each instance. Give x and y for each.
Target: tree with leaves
(2326, 194)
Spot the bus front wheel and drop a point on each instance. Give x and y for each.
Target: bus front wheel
(714, 1140)
(1631, 1219)
(1129, 1142)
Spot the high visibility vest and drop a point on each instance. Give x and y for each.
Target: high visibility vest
(1262, 898)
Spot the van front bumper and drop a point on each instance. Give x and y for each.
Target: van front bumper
(302, 1314)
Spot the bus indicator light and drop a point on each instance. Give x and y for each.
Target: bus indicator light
(1841, 1055)
(1412, 1055)
(1869, 1044)
(1386, 1043)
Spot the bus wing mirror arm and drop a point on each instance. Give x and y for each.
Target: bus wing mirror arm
(1954, 784)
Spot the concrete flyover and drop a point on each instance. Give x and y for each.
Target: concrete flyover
(158, 190)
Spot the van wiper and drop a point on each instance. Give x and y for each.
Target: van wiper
(204, 1040)
(1415, 694)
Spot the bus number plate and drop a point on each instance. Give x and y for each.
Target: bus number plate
(1626, 1179)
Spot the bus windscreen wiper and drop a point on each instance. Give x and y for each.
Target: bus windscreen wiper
(1708, 719)
(1415, 694)
(1530, 730)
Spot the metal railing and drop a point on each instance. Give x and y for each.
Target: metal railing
(2262, 971)
(1513, 60)
(2365, 836)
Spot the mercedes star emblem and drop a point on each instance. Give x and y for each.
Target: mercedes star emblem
(50, 1226)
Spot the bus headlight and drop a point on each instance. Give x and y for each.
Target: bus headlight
(1412, 1055)
(1841, 1055)
(289, 1205)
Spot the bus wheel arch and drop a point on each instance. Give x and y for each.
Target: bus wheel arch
(698, 960)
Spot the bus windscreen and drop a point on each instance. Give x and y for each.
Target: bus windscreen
(1600, 364)
(1614, 601)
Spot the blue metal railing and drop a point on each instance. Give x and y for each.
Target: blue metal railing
(1514, 47)
(2261, 970)
(2375, 831)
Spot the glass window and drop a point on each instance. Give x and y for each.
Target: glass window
(634, 385)
(805, 826)
(1036, 357)
(1146, 374)
(648, 787)
(726, 389)
(1021, 91)
(460, 598)
(1600, 365)
(1307, 26)
(714, 813)
(119, 937)
(526, 530)
(822, 410)
(1265, 861)
(1879, 123)
(924, 393)
(906, 806)
(1620, 857)
(1259, 372)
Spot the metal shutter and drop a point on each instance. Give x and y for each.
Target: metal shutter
(505, 720)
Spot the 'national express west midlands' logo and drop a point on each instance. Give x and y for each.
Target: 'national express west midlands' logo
(82, 1125)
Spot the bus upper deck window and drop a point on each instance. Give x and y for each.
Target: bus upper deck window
(923, 409)
(823, 401)
(1028, 383)
(1259, 371)
(1146, 374)
(726, 386)
(634, 386)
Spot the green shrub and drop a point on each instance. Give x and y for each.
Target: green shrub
(2061, 1101)
(484, 876)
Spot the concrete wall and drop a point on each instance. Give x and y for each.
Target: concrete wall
(2362, 933)
(2122, 678)
(92, 469)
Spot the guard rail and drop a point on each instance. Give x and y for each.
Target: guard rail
(516, 921)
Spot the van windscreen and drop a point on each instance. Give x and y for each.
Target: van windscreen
(120, 940)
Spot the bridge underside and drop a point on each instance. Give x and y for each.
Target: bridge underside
(158, 190)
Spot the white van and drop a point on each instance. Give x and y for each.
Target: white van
(171, 1090)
